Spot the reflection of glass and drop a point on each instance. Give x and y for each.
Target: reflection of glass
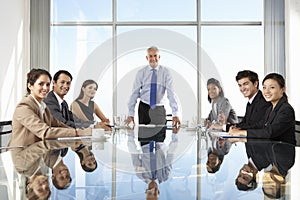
(97, 145)
(184, 123)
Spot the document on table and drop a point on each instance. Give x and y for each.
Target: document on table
(223, 134)
(75, 138)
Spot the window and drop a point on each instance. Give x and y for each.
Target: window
(107, 41)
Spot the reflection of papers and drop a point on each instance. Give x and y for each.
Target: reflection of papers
(232, 136)
(218, 133)
(75, 138)
(223, 134)
(148, 125)
(191, 128)
(107, 135)
(120, 127)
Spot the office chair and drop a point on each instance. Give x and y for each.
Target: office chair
(297, 132)
(5, 132)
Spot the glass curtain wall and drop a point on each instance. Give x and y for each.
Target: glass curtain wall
(106, 40)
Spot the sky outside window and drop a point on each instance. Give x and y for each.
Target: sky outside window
(229, 48)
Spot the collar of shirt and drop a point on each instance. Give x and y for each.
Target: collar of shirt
(252, 98)
(156, 68)
(251, 161)
(59, 158)
(269, 168)
(60, 100)
(42, 105)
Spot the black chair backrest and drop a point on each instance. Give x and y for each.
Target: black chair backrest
(297, 133)
(5, 127)
(297, 127)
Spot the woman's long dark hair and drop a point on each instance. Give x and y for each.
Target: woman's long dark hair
(84, 84)
(33, 75)
(216, 83)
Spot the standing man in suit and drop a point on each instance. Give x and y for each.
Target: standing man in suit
(59, 107)
(150, 86)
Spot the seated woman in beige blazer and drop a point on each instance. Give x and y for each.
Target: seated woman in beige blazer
(84, 107)
(32, 120)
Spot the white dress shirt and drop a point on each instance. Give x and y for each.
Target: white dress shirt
(42, 107)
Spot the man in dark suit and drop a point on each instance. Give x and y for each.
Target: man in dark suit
(257, 105)
(58, 106)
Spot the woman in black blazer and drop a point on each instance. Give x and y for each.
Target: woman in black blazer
(279, 121)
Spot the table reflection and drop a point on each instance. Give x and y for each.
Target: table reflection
(217, 149)
(150, 162)
(274, 159)
(152, 158)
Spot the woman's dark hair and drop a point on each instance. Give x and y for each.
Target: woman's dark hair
(84, 84)
(84, 167)
(217, 167)
(278, 78)
(216, 83)
(57, 74)
(34, 74)
(253, 77)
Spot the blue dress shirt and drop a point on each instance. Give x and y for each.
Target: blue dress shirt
(141, 89)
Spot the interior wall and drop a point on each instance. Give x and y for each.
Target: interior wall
(14, 51)
(292, 32)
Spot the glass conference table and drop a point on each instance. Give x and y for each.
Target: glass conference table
(189, 164)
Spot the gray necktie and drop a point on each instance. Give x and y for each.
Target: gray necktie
(65, 110)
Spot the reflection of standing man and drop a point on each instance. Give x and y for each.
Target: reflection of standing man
(151, 84)
(153, 163)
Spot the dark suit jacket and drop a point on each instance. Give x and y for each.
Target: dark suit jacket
(54, 107)
(278, 124)
(255, 113)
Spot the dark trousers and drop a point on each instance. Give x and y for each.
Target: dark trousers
(151, 116)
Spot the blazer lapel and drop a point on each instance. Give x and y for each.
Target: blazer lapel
(272, 113)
